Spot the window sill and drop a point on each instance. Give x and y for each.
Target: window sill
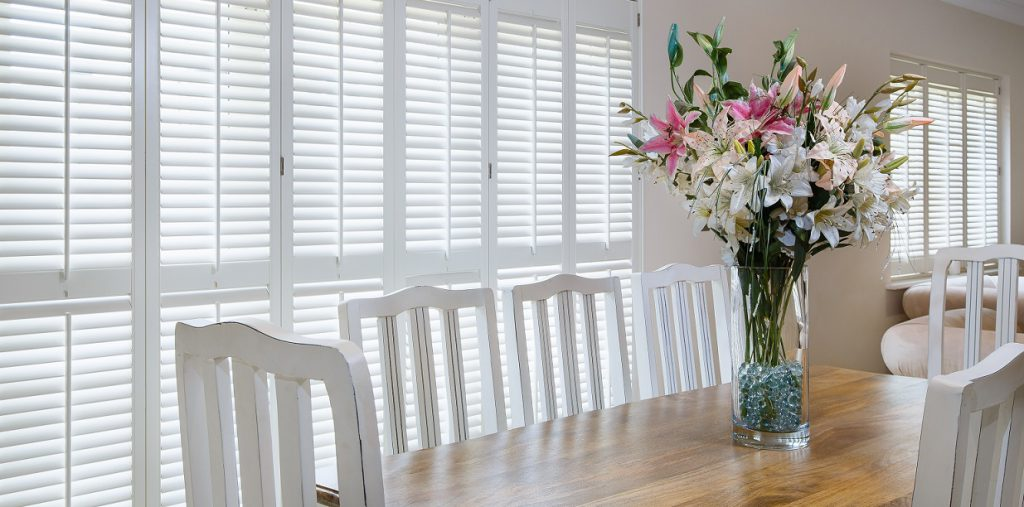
(906, 281)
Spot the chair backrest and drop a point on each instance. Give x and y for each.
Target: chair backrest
(562, 288)
(681, 345)
(1007, 258)
(216, 361)
(414, 303)
(972, 436)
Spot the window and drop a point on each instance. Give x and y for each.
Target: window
(954, 164)
(268, 159)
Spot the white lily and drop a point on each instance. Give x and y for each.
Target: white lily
(783, 184)
(827, 221)
(835, 154)
(743, 181)
(717, 149)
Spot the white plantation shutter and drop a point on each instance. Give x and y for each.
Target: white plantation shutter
(337, 87)
(215, 172)
(529, 164)
(66, 162)
(142, 185)
(443, 124)
(954, 165)
(982, 166)
(603, 185)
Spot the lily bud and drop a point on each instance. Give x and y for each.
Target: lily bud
(892, 166)
(913, 77)
(897, 125)
(905, 101)
(789, 88)
(833, 85)
(702, 98)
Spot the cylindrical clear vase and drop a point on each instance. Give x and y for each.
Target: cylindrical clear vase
(769, 357)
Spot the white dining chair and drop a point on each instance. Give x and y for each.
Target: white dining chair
(681, 344)
(412, 305)
(972, 435)
(1007, 258)
(563, 289)
(251, 362)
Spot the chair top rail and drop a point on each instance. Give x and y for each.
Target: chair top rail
(549, 287)
(270, 347)
(979, 253)
(990, 382)
(417, 297)
(678, 272)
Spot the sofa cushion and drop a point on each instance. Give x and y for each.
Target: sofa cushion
(905, 345)
(916, 298)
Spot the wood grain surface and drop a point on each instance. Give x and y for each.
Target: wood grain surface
(678, 450)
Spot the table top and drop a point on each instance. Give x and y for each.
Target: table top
(678, 449)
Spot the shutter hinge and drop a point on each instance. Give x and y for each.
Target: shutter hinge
(282, 166)
(490, 171)
(638, 19)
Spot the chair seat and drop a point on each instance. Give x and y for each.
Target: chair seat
(905, 345)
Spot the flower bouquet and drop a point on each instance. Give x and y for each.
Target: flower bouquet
(780, 171)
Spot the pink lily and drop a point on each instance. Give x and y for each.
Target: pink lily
(672, 137)
(759, 106)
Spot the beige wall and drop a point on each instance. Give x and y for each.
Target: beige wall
(850, 306)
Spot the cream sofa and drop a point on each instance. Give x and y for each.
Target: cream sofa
(905, 345)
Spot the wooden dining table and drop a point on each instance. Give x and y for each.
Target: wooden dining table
(678, 449)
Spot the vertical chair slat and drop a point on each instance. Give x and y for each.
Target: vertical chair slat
(197, 450)
(593, 351)
(623, 385)
(426, 380)
(252, 404)
(991, 453)
(703, 325)
(520, 392)
(1006, 302)
(667, 339)
(542, 347)
(455, 376)
(972, 314)
(721, 352)
(491, 392)
(1013, 469)
(221, 428)
(647, 341)
(567, 349)
(295, 437)
(393, 382)
(684, 330)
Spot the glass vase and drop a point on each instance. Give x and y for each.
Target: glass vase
(769, 357)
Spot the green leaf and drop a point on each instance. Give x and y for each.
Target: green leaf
(734, 90)
(703, 41)
(721, 59)
(624, 151)
(675, 50)
(718, 31)
(688, 89)
(635, 140)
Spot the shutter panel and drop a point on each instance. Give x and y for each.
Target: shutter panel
(908, 236)
(337, 83)
(954, 164)
(529, 158)
(982, 136)
(215, 181)
(66, 163)
(443, 128)
(603, 186)
(945, 161)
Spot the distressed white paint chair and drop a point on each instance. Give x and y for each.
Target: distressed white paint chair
(1007, 258)
(216, 360)
(562, 288)
(972, 436)
(681, 344)
(412, 306)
